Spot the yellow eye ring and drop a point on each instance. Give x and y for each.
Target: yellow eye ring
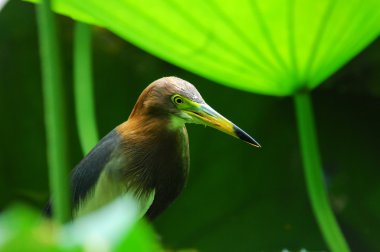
(177, 99)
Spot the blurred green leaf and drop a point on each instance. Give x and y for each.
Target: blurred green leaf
(116, 227)
(141, 238)
(23, 229)
(271, 47)
(2, 3)
(110, 227)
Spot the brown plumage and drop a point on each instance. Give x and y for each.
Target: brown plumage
(148, 155)
(158, 159)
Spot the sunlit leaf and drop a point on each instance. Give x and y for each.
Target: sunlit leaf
(272, 47)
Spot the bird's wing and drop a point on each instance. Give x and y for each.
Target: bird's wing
(85, 175)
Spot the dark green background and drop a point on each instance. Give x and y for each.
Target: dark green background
(238, 198)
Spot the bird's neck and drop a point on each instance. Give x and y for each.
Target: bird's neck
(147, 134)
(147, 126)
(152, 135)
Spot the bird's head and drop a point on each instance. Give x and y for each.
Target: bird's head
(181, 101)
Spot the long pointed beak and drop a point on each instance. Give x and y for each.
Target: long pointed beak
(206, 115)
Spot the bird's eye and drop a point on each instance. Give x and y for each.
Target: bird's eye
(178, 100)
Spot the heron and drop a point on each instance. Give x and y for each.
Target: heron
(147, 156)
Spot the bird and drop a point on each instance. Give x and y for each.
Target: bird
(147, 156)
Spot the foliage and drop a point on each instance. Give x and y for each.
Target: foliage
(85, 105)
(109, 229)
(286, 52)
(55, 111)
(230, 203)
(273, 47)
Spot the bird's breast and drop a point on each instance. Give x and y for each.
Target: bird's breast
(156, 159)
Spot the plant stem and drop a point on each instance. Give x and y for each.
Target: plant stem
(83, 88)
(55, 112)
(314, 175)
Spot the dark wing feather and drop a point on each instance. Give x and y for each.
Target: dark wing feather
(85, 175)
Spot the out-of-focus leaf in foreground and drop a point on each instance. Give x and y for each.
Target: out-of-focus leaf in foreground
(115, 227)
(22, 228)
(2, 3)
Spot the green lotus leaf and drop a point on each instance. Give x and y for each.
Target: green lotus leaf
(272, 47)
